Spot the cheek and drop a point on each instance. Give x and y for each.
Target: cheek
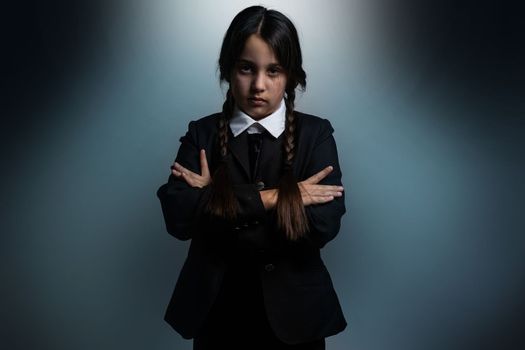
(239, 84)
(278, 86)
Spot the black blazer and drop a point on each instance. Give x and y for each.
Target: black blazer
(299, 297)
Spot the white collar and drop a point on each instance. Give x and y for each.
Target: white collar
(273, 123)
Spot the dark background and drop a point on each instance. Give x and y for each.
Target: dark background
(433, 156)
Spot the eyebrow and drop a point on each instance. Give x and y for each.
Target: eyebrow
(271, 65)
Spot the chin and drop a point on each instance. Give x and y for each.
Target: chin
(257, 112)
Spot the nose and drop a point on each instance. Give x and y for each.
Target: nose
(258, 82)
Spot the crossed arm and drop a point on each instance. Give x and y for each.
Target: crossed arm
(186, 193)
(311, 191)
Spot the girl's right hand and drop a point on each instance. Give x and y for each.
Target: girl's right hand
(191, 178)
(313, 193)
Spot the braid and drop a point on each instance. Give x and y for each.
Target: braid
(227, 111)
(222, 201)
(291, 215)
(289, 136)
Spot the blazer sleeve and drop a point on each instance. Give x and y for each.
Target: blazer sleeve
(183, 206)
(325, 219)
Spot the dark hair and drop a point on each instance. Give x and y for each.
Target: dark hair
(280, 34)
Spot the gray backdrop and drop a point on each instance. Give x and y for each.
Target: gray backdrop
(427, 102)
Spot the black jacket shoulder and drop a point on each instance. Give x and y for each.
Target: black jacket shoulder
(314, 127)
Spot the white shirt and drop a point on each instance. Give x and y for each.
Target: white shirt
(274, 123)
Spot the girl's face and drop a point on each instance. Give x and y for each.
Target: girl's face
(258, 81)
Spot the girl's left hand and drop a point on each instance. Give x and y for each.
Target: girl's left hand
(191, 178)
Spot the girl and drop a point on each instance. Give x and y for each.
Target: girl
(257, 189)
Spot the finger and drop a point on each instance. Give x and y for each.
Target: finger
(332, 193)
(183, 170)
(324, 199)
(320, 175)
(190, 178)
(321, 199)
(319, 189)
(326, 188)
(204, 164)
(321, 196)
(180, 171)
(178, 167)
(194, 180)
(324, 193)
(317, 200)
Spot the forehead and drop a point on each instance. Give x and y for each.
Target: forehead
(257, 51)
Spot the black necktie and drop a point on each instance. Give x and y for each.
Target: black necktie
(255, 145)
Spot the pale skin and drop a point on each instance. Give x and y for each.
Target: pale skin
(311, 191)
(257, 74)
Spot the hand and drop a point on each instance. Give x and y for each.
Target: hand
(312, 193)
(191, 178)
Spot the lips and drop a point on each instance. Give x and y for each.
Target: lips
(257, 99)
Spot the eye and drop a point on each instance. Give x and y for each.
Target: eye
(245, 68)
(274, 71)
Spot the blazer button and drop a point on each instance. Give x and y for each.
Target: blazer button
(260, 185)
(269, 267)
